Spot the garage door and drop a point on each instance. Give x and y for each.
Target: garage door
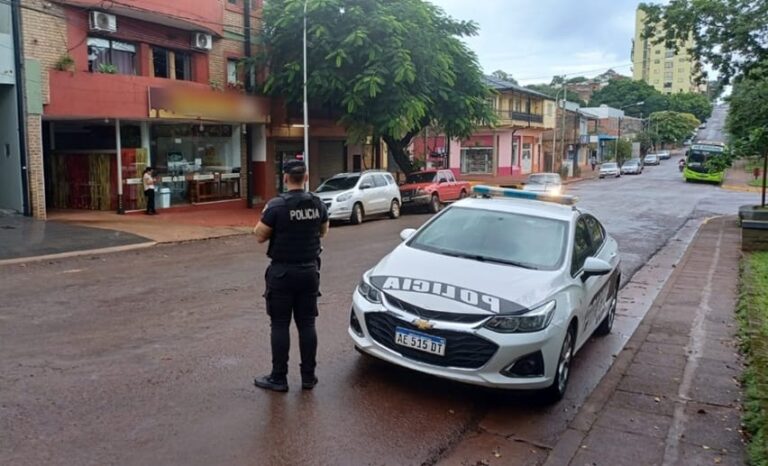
(331, 159)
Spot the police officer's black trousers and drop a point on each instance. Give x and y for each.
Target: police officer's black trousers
(292, 291)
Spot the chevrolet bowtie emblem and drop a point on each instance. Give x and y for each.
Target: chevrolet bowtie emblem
(422, 324)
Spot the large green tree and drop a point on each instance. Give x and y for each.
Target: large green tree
(748, 119)
(691, 102)
(731, 35)
(390, 67)
(673, 127)
(625, 93)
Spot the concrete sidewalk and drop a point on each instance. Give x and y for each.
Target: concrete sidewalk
(672, 396)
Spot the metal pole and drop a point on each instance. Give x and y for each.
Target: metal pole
(249, 81)
(565, 99)
(554, 132)
(306, 105)
(118, 146)
(617, 143)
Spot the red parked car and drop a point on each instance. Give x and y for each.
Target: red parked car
(431, 188)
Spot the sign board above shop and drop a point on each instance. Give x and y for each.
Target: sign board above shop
(204, 104)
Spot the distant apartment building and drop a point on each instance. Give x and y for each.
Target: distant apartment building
(668, 70)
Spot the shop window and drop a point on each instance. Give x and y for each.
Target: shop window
(111, 56)
(477, 160)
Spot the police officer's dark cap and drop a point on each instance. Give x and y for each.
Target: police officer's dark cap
(295, 167)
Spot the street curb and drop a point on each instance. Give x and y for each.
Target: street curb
(83, 252)
(572, 439)
(741, 189)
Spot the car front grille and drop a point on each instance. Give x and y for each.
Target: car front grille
(434, 315)
(462, 350)
(408, 193)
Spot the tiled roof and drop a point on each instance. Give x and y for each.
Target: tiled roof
(501, 85)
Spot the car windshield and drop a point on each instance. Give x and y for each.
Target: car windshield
(496, 237)
(423, 177)
(339, 183)
(631, 163)
(650, 157)
(609, 166)
(543, 179)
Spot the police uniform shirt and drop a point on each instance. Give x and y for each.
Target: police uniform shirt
(295, 218)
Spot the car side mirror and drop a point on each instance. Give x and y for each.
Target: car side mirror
(594, 267)
(366, 186)
(407, 233)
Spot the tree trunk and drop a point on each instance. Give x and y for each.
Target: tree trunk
(398, 151)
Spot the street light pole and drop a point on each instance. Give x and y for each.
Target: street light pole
(306, 105)
(554, 130)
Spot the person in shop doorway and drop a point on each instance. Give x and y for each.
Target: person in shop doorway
(149, 190)
(294, 224)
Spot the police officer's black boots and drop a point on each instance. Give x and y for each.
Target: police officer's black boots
(308, 383)
(268, 382)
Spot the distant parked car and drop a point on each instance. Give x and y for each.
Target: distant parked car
(549, 183)
(631, 167)
(610, 169)
(431, 188)
(664, 155)
(652, 159)
(353, 196)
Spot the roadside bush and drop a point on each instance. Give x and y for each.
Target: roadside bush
(753, 322)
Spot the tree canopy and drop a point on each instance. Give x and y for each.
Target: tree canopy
(504, 76)
(691, 102)
(625, 93)
(672, 127)
(731, 35)
(556, 92)
(391, 68)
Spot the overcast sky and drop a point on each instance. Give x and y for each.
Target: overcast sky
(536, 39)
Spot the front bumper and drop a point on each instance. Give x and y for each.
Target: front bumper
(420, 200)
(609, 173)
(510, 348)
(339, 210)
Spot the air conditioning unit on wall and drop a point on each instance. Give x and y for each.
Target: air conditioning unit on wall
(202, 41)
(102, 22)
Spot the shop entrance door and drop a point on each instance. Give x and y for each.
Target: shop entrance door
(527, 158)
(282, 156)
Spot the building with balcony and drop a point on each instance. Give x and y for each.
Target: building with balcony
(114, 87)
(505, 152)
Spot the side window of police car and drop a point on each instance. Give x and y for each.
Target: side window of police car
(582, 246)
(596, 233)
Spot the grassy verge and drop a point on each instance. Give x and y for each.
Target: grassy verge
(757, 183)
(753, 320)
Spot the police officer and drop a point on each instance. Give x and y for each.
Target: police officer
(293, 223)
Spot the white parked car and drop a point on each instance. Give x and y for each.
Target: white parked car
(353, 196)
(498, 292)
(609, 169)
(544, 183)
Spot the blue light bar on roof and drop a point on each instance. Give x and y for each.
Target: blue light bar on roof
(491, 191)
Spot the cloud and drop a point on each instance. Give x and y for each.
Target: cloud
(536, 40)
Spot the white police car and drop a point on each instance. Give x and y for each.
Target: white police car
(499, 290)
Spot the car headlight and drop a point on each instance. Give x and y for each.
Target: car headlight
(533, 321)
(344, 197)
(369, 292)
(421, 192)
(554, 190)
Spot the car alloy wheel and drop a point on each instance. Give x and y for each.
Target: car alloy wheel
(394, 209)
(556, 391)
(434, 204)
(607, 324)
(357, 214)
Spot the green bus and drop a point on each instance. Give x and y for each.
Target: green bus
(696, 168)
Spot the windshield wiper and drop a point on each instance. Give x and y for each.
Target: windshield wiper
(481, 258)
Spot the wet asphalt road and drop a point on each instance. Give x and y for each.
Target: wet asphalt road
(148, 357)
